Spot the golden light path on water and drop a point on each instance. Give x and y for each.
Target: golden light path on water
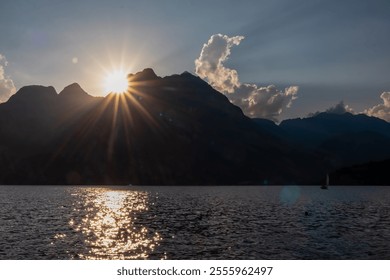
(109, 224)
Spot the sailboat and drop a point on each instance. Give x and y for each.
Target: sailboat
(325, 186)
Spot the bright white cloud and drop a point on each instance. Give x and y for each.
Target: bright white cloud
(381, 110)
(210, 63)
(263, 102)
(7, 87)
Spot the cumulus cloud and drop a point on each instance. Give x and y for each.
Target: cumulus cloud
(263, 102)
(7, 87)
(339, 109)
(210, 63)
(381, 110)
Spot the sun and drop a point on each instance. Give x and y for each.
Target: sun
(116, 82)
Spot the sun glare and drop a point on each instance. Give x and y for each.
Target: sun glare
(116, 82)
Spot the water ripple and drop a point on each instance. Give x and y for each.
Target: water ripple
(47, 222)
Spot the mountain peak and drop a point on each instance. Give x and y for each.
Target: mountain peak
(145, 75)
(186, 73)
(36, 89)
(34, 92)
(333, 114)
(73, 90)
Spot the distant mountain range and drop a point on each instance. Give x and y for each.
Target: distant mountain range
(372, 173)
(175, 130)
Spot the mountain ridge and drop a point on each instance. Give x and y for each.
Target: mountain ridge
(173, 130)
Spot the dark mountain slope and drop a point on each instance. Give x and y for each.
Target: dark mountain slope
(36, 114)
(340, 139)
(371, 173)
(172, 130)
(29, 122)
(175, 130)
(313, 131)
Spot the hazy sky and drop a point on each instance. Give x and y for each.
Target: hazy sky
(331, 50)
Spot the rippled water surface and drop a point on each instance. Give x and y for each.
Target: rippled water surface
(72, 222)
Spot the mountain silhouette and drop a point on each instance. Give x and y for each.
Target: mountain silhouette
(374, 173)
(35, 114)
(342, 139)
(313, 130)
(174, 130)
(146, 75)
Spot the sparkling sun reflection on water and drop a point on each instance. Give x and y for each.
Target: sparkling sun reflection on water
(109, 224)
(226, 222)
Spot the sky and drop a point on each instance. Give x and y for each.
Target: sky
(276, 59)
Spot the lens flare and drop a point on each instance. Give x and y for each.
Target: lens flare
(116, 82)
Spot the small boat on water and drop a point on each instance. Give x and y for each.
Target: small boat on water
(325, 186)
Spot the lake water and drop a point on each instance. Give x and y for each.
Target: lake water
(265, 222)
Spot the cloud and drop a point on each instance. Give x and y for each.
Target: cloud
(339, 109)
(381, 110)
(210, 63)
(262, 102)
(7, 87)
